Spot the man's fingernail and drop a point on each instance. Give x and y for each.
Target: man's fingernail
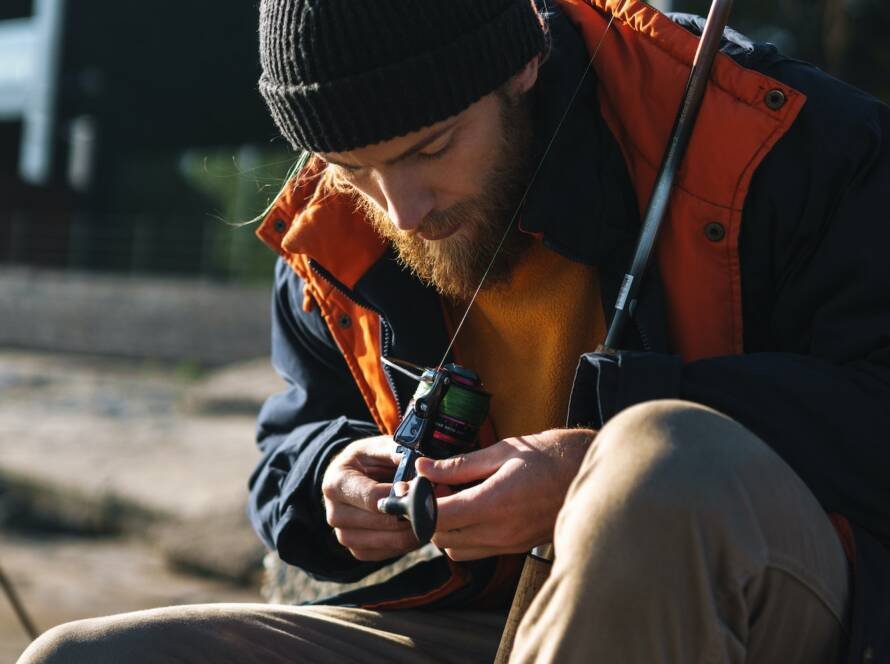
(380, 505)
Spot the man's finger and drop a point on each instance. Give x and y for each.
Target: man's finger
(376, 555)
(359, 491)
(379, 467)
(379, 451)
(341, 515)
(463, 468)
(357, 539)
(474, 553)
(380, 473)
(463, 509)
(462, 538)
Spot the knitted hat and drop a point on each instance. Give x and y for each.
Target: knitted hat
(342, 74)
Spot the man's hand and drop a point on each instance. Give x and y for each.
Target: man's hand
(514, 508)
(353, 483)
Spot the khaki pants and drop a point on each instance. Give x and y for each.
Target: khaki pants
(683, 538)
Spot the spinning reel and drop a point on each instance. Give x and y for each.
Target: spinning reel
(442, 420)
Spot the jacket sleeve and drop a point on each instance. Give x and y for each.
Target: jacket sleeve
(819, 391)
(298, 431)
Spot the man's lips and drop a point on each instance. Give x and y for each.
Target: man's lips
(438, 234)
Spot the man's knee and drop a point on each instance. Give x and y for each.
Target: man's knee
(674, 442)
(125, 637)
(69, 642)
(664, 459)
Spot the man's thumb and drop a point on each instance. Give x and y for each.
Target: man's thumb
(462, 468)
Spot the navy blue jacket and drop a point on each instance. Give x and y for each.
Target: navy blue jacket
(814, 381)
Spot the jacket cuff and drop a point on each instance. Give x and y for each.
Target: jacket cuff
(303, 515)
(605, 384)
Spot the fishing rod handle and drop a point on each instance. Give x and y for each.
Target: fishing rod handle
(535, 571)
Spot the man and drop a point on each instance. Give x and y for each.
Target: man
(719, 493)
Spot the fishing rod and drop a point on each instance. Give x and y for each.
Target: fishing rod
(539, 561)
(684, 123)
(17, 606)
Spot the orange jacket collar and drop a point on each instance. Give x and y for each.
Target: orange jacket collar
(634, 88)
(306, 222)
(641, 68)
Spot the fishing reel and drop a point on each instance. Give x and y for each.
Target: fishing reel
(442, 420)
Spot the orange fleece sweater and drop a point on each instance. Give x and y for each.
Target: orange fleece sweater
(524, 339)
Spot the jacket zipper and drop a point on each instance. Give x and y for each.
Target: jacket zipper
(386, 333)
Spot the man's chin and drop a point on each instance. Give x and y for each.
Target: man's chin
(438, 235)
(440, 268)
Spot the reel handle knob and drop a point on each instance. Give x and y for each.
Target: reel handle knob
(418, 506)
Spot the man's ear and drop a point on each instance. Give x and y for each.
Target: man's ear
(526, 78)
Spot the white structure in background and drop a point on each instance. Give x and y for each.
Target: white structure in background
(29, 60)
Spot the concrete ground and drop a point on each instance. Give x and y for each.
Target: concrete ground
(123, 485)
(66, 578)
(120, 429)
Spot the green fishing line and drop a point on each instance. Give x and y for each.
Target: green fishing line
(459, 402)
(464, 404)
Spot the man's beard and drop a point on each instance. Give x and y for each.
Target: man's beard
(455, 265)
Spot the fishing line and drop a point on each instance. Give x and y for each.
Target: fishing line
(450, 403)
(527, 189)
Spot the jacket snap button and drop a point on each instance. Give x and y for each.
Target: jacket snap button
(775, 99)
(280, 225)
(344, 321)
(715, 231)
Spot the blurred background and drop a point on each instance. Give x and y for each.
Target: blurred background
(133, 311)
(134, 307)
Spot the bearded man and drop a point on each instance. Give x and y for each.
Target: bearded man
(718, 491)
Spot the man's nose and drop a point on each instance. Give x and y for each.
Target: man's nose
(408, 202)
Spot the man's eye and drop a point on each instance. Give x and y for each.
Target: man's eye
(437, 154)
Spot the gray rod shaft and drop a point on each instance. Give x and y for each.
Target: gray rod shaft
(17, 606)
(673, 158)
(534, 571)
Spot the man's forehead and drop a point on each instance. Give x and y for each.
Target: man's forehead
(394, 150)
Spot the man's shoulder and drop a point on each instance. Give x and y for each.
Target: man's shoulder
(741, 48)
(835, 112)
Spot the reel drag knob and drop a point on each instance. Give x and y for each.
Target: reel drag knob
(418, 506)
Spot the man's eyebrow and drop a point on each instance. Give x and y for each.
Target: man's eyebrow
(419, 145)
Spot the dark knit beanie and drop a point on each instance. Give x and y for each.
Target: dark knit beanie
(342, 74)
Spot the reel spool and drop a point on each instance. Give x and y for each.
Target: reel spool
(442, 420)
